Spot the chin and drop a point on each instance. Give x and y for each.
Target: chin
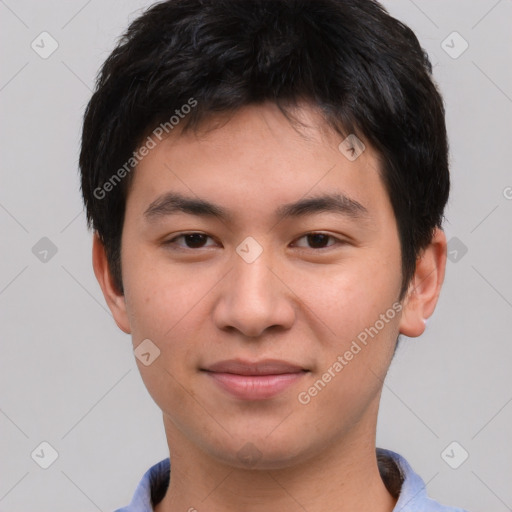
(260, 453)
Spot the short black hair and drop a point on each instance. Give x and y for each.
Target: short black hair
(364, 70)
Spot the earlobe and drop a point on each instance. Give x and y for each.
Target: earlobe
(114, 298)
(425, 286)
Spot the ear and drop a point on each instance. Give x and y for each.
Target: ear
(114, 298)
(425, 286)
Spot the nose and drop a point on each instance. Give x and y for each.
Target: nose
(254, 298)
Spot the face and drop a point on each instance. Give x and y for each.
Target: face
(265, 267)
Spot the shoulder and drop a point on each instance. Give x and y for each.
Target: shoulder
(412, 493)
(151, 488)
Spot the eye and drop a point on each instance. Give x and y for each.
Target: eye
(197, 240)
(191, 241)
(318, 240)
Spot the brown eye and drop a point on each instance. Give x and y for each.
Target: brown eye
(191, 241)
(195, 240)
(318, 241)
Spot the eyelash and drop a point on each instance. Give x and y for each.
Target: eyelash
(312, 233)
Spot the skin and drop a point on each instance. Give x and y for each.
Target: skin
(298, 302)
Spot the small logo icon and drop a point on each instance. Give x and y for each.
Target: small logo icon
(454, 455)
(44, 250)
(507, 192)
(249, 454)
(44, 45)
(146, 352)
(352, 147)
(456, 249)
(454, 45)
(249, 250)
(44, 455)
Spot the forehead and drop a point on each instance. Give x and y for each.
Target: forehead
(256, 158)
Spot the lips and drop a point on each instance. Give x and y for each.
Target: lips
(259, 380)
(266, 367)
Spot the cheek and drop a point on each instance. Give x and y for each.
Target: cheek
(168, 304)
(348, 297)
(163, 307)
(158, 294)
(357, 327)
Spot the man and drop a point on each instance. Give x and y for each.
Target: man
(266, 182)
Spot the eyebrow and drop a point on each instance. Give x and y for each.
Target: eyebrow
(173, 203)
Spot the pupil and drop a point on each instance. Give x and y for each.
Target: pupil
(194, 240)
(317, 240)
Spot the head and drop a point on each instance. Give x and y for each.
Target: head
(304, 144)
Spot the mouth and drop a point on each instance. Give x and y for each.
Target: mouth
(258, 380)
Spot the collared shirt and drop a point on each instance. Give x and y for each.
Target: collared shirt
(398, 476)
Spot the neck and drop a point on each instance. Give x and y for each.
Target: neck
(345, 475)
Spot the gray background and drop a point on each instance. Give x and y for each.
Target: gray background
(67, 374)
